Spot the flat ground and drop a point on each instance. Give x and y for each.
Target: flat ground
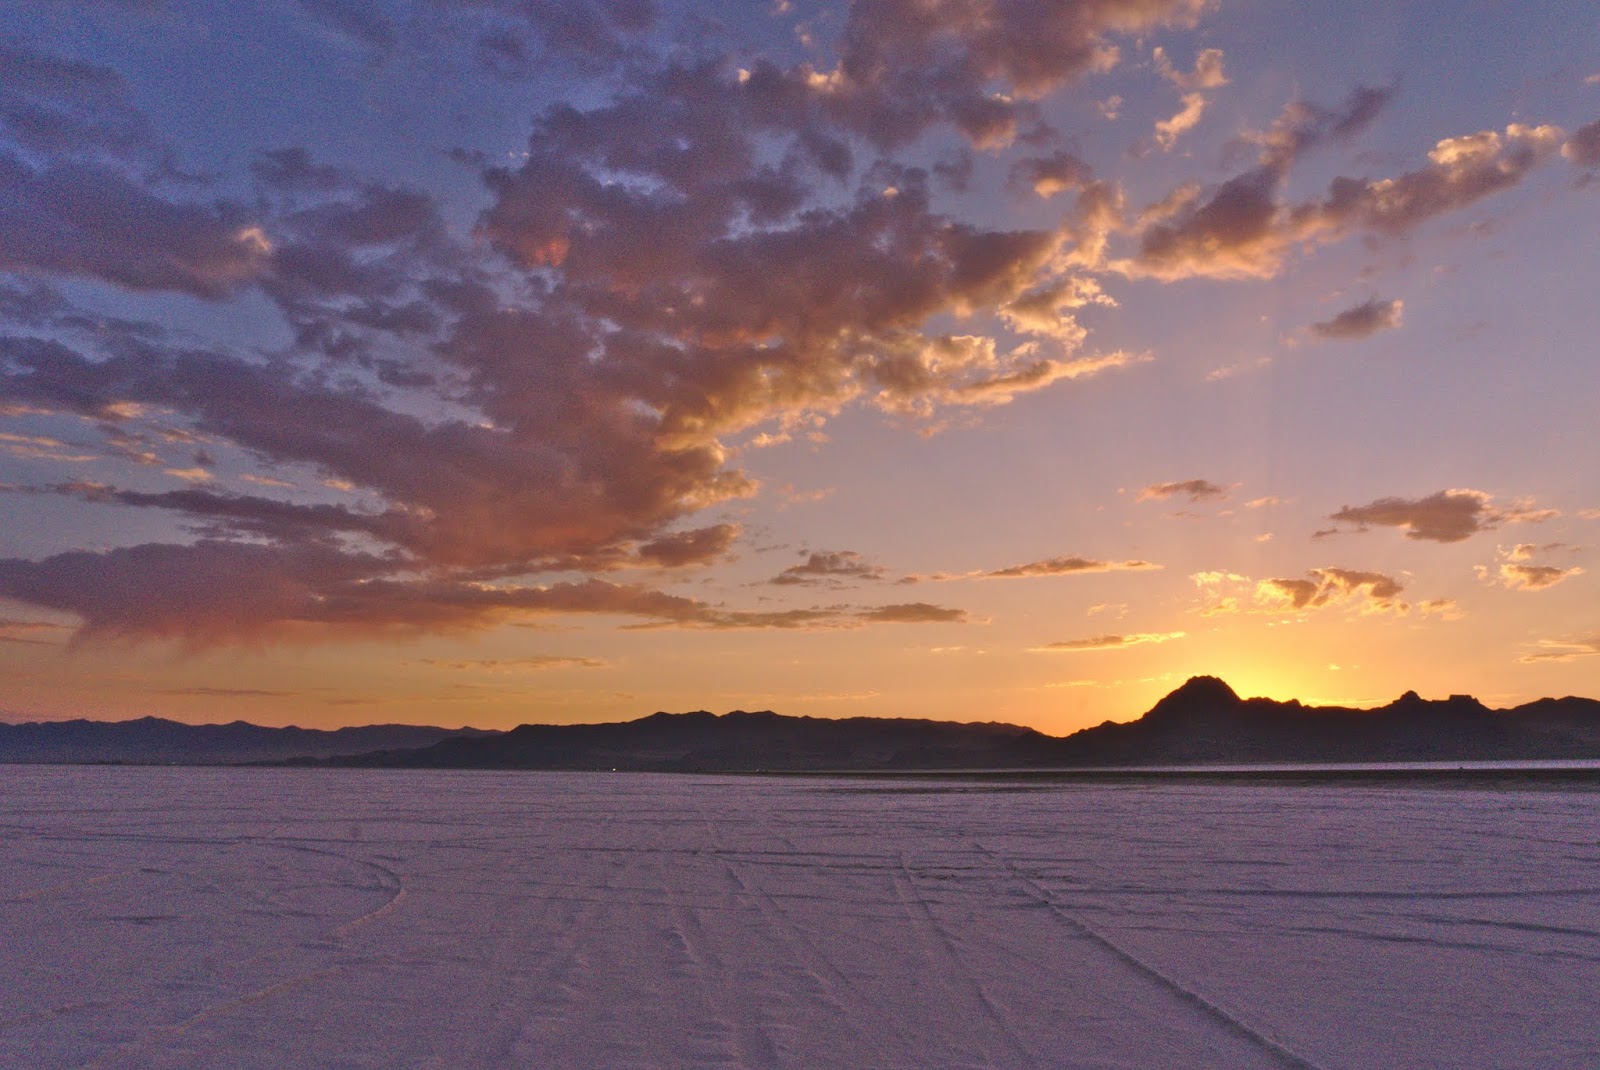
(312, 918)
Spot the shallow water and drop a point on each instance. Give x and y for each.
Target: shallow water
(319, 918)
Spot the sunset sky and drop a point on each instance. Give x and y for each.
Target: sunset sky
(493, 361)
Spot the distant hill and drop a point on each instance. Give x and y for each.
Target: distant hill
(1202, 722)
(154, 741)
(737, 741)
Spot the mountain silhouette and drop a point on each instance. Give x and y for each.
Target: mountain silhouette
(1202, 722)
(155, 741)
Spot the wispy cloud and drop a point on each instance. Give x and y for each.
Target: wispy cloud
(1196, 490)
(532, 663)
(1562, 649)
(1108, 642)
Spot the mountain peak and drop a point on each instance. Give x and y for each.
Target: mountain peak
(1199, 694)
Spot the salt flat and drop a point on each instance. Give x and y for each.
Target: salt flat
(271, 918)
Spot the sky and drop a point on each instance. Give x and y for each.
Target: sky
(500, 361)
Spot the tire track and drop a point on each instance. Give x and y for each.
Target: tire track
(162, 1034)
(839, 991)
(1220, 1015)
(921, 916)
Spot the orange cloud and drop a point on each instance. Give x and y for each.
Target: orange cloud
(1320, 588)
(1108, 642)
(1516, 574)
(1195, 490)
(1562, 649)
(1374, 591)
(1052, 566)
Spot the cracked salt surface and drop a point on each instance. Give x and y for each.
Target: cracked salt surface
(272, 918)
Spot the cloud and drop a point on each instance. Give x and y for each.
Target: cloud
(75, 218)
(53, 106)
(1052, 566)
(1196, 490)
(42, 447)
(1047, 176)
(1534, 577)
(683, 548)
(1233, 233)
(713, 249)
(1444, 516)
(906, 64)
(1239, 229)
(1320, 588)
(1443, 608)
(695, 255)
(1562, 649)
(82, 180)
(32, 632)
(1460, 171)
(1362, 321)
(832, 567)
(1374, 591)
(225, 692)
(1219, 374)
(1515, 573)
(216, 591)
(1583, 147)
(533, 663)
(1064, 566)
(1243, 229)
(913, 613)
(1108, 642)
(1207, 74)
(1185, 119)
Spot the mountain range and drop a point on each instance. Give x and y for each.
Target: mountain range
(154, 741)
(1202, 722)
